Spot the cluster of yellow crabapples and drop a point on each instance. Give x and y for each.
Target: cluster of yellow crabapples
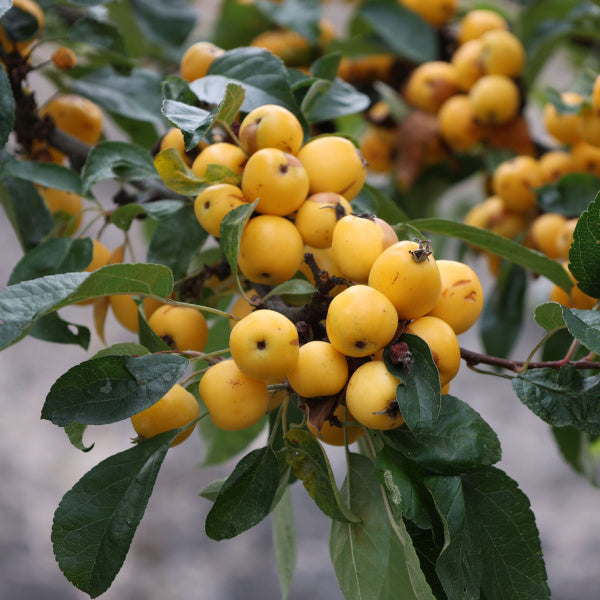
(371, 286)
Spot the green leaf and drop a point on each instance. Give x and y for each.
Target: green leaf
(459, 565)
(163, 209)
(584, 255)
(96, 520)
(46, 174)
(122, 349)
(54, 256)
(52, 328)
(176, 175)
(574, 445)
(7, 108)
(211, 491)
(460, 442)
(502, 315)
(371, 559)
(165, 23)
(284, 542)
(404, 32)
(561, 397)
(584, 325)
(75, 432)
(300, 15)
(19, 25)
(246, 496)
(100, 34)
(403, 487)
(117, 160)
(384, 207)
(176, 240)
(570, 195)
(123, 216)
(549, 315)
(111, 388)
(310, 464)
(510, 550)
(418, 393)
(512, 251)
(292, 287)
(147, 336)
(555, 98)
(335, 99)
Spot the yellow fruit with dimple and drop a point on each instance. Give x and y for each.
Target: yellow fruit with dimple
(360, 321)
(318, 215)
(554, 164)
(214, 202)
(234, 400)
(502, 53)
(264, 344)
(476, 22)
(332, 433)
(371, 397)
(180, 327)
(515, 181)
(430, 85)
(197, 59)
(457, 123)
(220, 154)
(495, 99)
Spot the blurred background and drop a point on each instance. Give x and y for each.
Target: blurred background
(171, 557)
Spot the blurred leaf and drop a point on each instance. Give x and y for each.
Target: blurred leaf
(502, 316)
(310, 464)
(584, 255)
(75, 433)
(19, 24)
(211, 490)
(566, 108)
(570, 195)
(163, 209)
(238, 24)
(384, 207)
(111, 388)
(561, 397)
(549, 316)
(52, 328)
(372, 559)
(326, 66)
(122, 349)
(7, 108)
(167, 23)
(512, 251)
(292, 287)
(176, 240)
(460, 442)
(101, 34)
(245, 497)
(97, 518)
(300, 15)
(123, 216)
(117, 160)
(284, 542)
(336, 99)
(584, 325)
(176, 175)
(418, 393)
(574, 445)
(46, 174)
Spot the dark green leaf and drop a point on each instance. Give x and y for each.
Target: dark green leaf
(111, 388)
(402, 30)
(211, 491)
(97, 33)
(570, 195)
(52, 328)
(176, 240)
(122, 349)
(96, 520)
(373, 558)
(502, 315)
(510, 550)
(292, 287)
(19, 25)
(117, 160)
(7, 108)
(584, 255)
(147, 336)
(459, 564)
(300, 15)
(512, 251)
(338, 99)
(574, 445)
(238, 24)
(310, 464)
(165, 23)
(326, 66)
(284, 542)
(246, 496)
(549, 316)
(384, 207)
(584, 325)
(176, 175)
(561, 397)
(163, 209)
(461, 441)
(46, 174)
(75, 432)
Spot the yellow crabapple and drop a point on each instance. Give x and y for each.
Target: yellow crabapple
(125, 310)
(586, 158)
(545, 232)
(457, 123)
(495, 99)
(515, 181)
(565, 238)
(493, 215)
(180, 327)
(318, 215)
(214, 202)
(467, 64)
(430, 85)
(197, 59)
(33, 9)
(435, 12)
(61, 201)
(554, 164)
(476, 22)
(220, 154)
(502, 53)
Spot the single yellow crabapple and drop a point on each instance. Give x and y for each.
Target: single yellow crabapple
(181, 327)
(430, 85)
(371, 397)
(173, 138)
(586, 158)
(176, 408)
(264, 344)
(271, 249)
(493, 215)
(442, 342)
(360, 320)
(461, 300)
(377, 148)
(241, 307)
(64, 58)
(467, 64)
(435, 12)
(565, 238)
(545, 232)
(318, 215)
(495, 99)
(333, 164)
(457, 123)
(476, 22)
(515, 181)
(356, 243)
(271, 126)
(197, 59)
(320, 371)
(220, 154)
(564, 127)
(590, 127)
(125, 310)
(332, 433)
(407, 274)
(277, 179)
(502, 53)
(214, 202)
(554, 164)
(234, 400)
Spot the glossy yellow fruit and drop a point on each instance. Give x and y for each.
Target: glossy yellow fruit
(176, 408)
(320, 371)
(467, 64)
(476, 22)
(565, 127)
(371, 397)
(435, 12)
(495, 99)
(554, 164)
(515, 181)
(125, 310)
(502, 53)
(277, 179)
(565, 238)
(241, 307)
(289, 45)
(457, 123)
(64, 58)
(442, 342)
(407, 274)
(271, 126)
(430, 85)
(332, 433)
(264, 344)
(271, 250)
(220, 154)
(234, 400)
(357, 242)
(360, 321)
(181, 327)
(34, 9)
(461, 300)
(318, 215)
(197, 59)
(214, 202)
(100, 256)
(333, 164)
(545, 233)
